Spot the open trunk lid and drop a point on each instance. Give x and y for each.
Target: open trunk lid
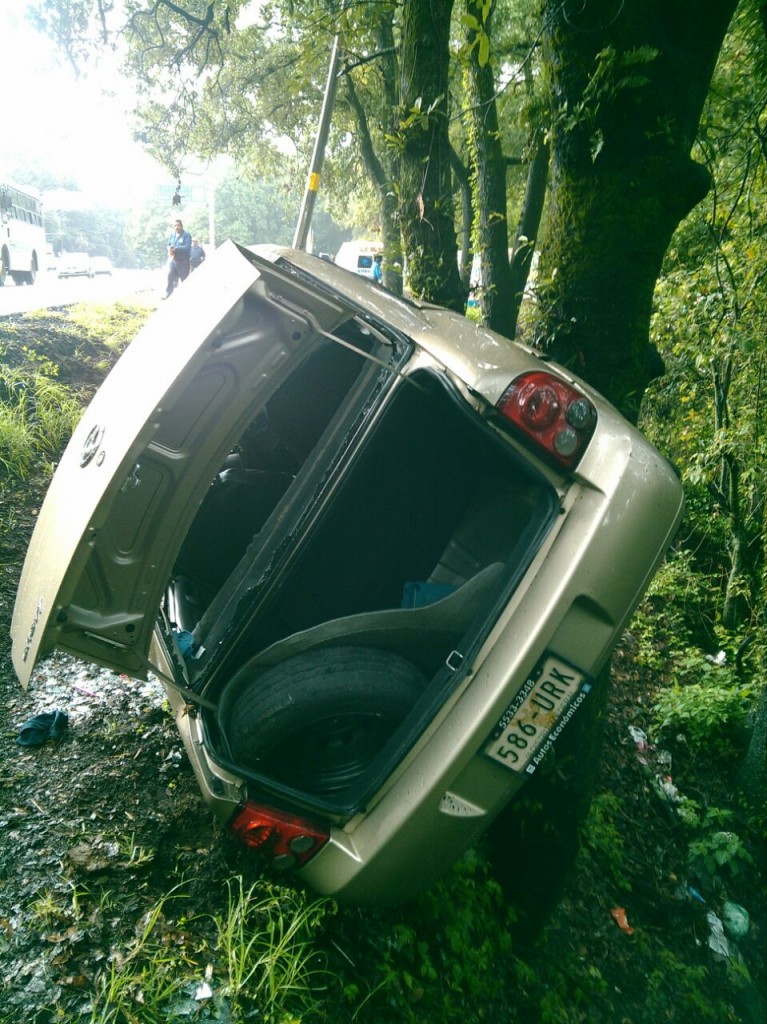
(140, 461)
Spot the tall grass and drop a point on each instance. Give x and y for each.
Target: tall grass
(37, 417)
(258, 963)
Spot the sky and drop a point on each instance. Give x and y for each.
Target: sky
(65, 122)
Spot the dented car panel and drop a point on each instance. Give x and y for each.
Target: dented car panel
(376, 554)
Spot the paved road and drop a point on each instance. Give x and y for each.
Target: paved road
(48, 290)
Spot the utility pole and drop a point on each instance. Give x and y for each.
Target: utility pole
(313, 181)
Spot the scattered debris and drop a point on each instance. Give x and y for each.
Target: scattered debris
(736, 920)
(717, 940)
(50, 725)
(91, 858)
(619, 916)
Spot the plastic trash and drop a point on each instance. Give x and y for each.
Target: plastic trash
(717, 940)
(203, 991)
(668, 789)
(735, 919)
(619, 916)
(639, 738)
(695, 894)
(717, 659)
(50, 725)
(663, 759)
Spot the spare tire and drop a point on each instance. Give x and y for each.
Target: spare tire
(316, 721)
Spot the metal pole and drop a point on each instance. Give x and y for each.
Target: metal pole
(313, 181)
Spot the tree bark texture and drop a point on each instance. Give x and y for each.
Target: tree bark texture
(529, 222)
(463, 180)
(623, 124)
(492, 230)
(381, 168)
(426, 201)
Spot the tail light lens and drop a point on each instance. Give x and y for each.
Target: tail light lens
(551, 414)
(286, 839)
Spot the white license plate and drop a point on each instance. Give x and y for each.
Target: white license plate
(538, 714)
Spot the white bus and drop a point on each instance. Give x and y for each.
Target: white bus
(22, 237)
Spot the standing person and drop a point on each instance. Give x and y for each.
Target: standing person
(378, 269)
(179, 247)
(196, 254)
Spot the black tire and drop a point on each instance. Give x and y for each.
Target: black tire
(316, 721)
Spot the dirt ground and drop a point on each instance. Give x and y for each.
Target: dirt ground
(97, 824)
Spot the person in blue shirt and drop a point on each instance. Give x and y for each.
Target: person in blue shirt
(378, 269)
(179, 248)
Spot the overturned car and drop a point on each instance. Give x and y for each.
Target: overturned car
(376, 555)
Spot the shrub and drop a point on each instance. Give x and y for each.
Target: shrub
(706, 704)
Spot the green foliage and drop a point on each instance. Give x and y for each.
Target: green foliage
(715, 849)
(708, 411)
(695, 995)
(266, 941)
(447, 957)
(114, 325)
(614, 75)
(99, 231)
(37, 416)
(704, 701)
(38, 410)
(602, 847)
(260, 962)
(668, 618)
(710, 712)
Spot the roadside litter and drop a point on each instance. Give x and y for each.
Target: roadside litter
(50, 725)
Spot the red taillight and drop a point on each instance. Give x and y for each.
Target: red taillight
(287, 840)
(549, 412)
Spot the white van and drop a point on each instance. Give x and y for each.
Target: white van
(358, 256)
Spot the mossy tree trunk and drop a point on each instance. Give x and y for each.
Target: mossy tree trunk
(489, 169)
(380, 165)
(424, 181)
(628, 81)
(529, 223)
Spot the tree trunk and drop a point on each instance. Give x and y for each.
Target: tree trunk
(529, 222)
(390, 236)
(381, 169)
(425, 194)
(622, 177)
(496, 296)
(467, 216)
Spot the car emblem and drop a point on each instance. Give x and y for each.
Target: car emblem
(92, 445)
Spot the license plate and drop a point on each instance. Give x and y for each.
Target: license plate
(538, 714)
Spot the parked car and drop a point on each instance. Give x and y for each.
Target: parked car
(74, 264)
(100, 265)
(375, 553)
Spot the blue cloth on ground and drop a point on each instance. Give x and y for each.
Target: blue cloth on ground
(50, 725)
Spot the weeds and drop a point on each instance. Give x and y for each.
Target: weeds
(257, 961)
(140, 983)
(38, 410)
(37, 416)
(266, 942)
(717, 849)
(710, 714)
